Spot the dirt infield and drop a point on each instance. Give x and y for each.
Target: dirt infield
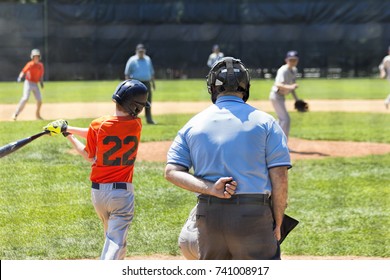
(51, 111)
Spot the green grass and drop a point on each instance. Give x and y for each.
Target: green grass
(343, 206)
(46, 210)
(359, 127)
(196, 90)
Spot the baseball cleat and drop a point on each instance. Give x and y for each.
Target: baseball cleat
(387, 102)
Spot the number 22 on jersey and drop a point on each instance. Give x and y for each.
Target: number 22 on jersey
(123, 149)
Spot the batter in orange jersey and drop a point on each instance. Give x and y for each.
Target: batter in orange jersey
(112, 145)
(33, 73)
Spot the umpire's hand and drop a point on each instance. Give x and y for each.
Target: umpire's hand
(225, 187)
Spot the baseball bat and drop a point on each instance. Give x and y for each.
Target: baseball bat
(14, 146)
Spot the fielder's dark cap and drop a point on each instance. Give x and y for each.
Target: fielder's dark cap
(140, 47)
(292, 54)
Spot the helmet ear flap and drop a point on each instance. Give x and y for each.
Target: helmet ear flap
(212, 79)
(211, 85)
(132, 96)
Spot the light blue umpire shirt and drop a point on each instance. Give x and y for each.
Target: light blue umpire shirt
(140, 69)
(232, 139)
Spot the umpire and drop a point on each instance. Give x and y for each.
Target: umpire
(140, 67)
(240, 159)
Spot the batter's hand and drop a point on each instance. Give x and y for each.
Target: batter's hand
(56, 127)
(225, 187)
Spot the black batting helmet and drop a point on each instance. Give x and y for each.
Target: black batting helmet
(228, 75)
(132, 95)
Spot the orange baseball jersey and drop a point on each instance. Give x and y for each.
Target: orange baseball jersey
(34, 71)
(113, 142)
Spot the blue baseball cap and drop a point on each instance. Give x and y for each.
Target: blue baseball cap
(292, 54)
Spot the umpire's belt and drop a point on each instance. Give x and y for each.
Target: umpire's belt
(261, 199)
(112, 186)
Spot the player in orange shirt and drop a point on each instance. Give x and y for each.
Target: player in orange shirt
(33, 71)
(112, 144)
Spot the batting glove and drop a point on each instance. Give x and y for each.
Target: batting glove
(56, 127)
(19, 79)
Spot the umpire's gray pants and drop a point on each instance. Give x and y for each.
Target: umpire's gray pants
(116, 210)
(236, 231)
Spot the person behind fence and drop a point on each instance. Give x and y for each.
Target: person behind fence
(239, 157)
(140, 67)
(215, 56)
(33, 72)
(384, 70)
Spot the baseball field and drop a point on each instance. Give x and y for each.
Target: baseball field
(339, 186)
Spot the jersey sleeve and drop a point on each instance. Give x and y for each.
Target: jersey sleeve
(151, 68)
(277, 153)
(128, 69)
(26, 67)
(280, 76)
(210, 61)
(90, 146)
(179, 152)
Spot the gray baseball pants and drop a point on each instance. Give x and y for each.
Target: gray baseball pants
(28, 87)
(279, 104)
(115, 207)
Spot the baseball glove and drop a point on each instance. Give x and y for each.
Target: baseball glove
(301, 106)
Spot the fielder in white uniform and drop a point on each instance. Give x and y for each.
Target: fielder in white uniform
(384, 69)
(215, 56)
(285, 83)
